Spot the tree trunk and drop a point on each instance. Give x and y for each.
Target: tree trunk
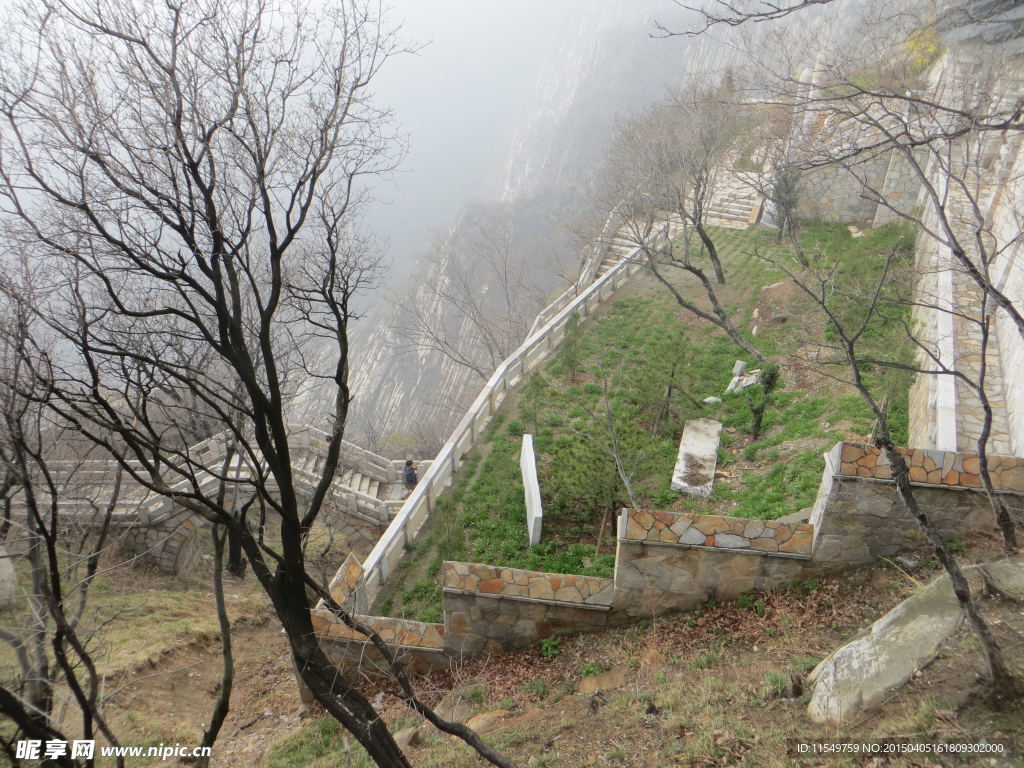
(1002, 515)
(220, 709)
(709, 243)
(286, 586)
(236, 560)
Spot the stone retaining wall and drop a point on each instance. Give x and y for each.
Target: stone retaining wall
(715, 531)
(671, 562)
(422, 644)
(488, 608)
(668, 562)
(859, 516)
(929, 467)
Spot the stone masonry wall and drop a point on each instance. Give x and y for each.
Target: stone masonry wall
(421, 643)
(859, 517)
(672, 562)
(928, 467)
(833, 194)
(715, 531)
(667, 562)
(901, 188)
(488, 607)
(173, 544)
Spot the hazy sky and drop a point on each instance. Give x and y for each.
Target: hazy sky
(457, 99)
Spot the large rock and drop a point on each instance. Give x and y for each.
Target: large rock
(1006, 577)
(886, 655)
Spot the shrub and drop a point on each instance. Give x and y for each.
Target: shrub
(549, 647)
(538, 688)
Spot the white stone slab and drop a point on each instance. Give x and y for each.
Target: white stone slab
(697, 458)
(531, 487)
(741, 382)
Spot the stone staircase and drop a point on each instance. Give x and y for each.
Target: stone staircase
(360, 483)
(618, 248)
(736, 204)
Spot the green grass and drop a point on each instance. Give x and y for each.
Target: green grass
(626, 359)
(319, 744)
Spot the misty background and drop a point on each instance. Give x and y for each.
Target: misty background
(507, 109)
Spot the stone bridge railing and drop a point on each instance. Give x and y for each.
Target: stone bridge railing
(165, 532)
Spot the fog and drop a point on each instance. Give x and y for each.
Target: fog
(468, 89)
(506, 109)
(453, 98)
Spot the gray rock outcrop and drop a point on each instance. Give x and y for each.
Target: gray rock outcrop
(858, 675)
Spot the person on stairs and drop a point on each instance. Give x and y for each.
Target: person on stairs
(409, 478)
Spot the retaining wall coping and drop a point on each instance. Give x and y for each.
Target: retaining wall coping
(716, 532)
(518, 584)
(929, 467)
(404, 633)
(524, 599)
(724, 550)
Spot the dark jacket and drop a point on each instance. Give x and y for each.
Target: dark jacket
(409, 475)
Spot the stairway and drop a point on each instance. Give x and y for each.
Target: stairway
(734, 204)
(360, 483)
(618, 249)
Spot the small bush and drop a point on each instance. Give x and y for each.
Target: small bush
(474, 694)
(549, 647)
(777, 685)
(805, 588)
(752, 603)
(589, 668)
(665, 497)
(704, 661)
(537, 688)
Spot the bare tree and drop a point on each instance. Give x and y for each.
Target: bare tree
(479, 298)
(611, 441)
(851, 316)
(673, 157)
(192, 172)
(930, 138)
(668, 164)
(733, 13)
(61, 552)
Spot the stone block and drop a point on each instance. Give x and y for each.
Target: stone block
(698, 455)
(491, 586)
(731, 541)
(540, 588)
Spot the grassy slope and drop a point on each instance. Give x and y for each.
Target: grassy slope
(633, 351)
(145, 613)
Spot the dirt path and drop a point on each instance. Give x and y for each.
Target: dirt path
(171, 701)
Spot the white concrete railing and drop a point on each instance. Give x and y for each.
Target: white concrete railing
(385, 556)
(587, 274)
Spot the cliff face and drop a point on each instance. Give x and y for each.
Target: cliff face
(606, 63)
